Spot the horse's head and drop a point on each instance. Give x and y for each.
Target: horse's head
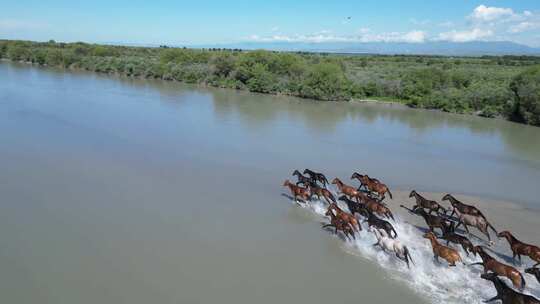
(286, 183)
(355, 175)
(447, 197)
(329, 212)
(296, 173)
(307, 171)
(336, 181)
(412, 193)
(533, 270)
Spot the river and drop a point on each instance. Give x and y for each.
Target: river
(117, 190)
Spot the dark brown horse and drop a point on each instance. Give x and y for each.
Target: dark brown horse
(339, 225)
(491, 264)
(506, 294)
(354, 207)
(422, 202)
(450, 235)
(345, 216)
(463, 208)
(519, 248)
(350, 191)
(372, 185)
(433, 221)
(297, 191)
(317, 177)
(305, 180)
(318, 191)
(374, 221)
(535, 272)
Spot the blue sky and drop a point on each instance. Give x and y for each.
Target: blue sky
(209, 22)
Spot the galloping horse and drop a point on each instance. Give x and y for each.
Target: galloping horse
(422, 202)
(389, 244)
(372, 185)
(316, 176)
(491, 264)
(340, 225)
(350, 191)
(297, 191)
(519, 248)
(346, 217)
(506, 294)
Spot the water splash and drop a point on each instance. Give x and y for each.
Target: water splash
(435, 281)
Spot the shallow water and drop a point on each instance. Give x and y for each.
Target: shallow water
(118, 190)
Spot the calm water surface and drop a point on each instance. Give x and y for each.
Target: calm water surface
(127, 191)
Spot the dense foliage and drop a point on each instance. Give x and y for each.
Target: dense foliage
(507, 86)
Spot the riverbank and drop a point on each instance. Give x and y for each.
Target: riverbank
(483, 86)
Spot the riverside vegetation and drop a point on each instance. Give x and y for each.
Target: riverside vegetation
(490, 86)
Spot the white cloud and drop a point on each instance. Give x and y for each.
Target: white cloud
(364, 36)
(523, 27)
(465, 35)
(419, 22)
(490, 13)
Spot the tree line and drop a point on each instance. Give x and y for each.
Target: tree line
(490, 86)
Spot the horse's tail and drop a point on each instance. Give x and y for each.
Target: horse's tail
(389, 193)
(407, 256)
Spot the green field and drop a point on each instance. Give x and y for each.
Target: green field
(490, 86)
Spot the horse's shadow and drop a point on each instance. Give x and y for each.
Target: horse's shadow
(508, 259)
(332, 231)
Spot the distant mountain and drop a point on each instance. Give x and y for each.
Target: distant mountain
(474, 48)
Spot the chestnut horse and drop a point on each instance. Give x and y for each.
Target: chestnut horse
(449, 254)
(350, 191)
(344, 216)
(491, 264)
(372, 185)
(298, 191)
(340, 225)
(519, 248)
(375, 206)
(318, 191)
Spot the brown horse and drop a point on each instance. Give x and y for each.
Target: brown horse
(491, 264)
(340, 225)
(297, 191)
(378, 208)
(350, 191)
(449, 254)
(318, 191)
(345, 216)
(519, 248)
(506, 294)
(372, 185)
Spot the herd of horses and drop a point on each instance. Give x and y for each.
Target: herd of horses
(367, 202)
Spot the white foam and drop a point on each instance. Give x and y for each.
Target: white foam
(437, 282)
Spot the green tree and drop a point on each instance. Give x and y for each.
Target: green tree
(526, 89)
